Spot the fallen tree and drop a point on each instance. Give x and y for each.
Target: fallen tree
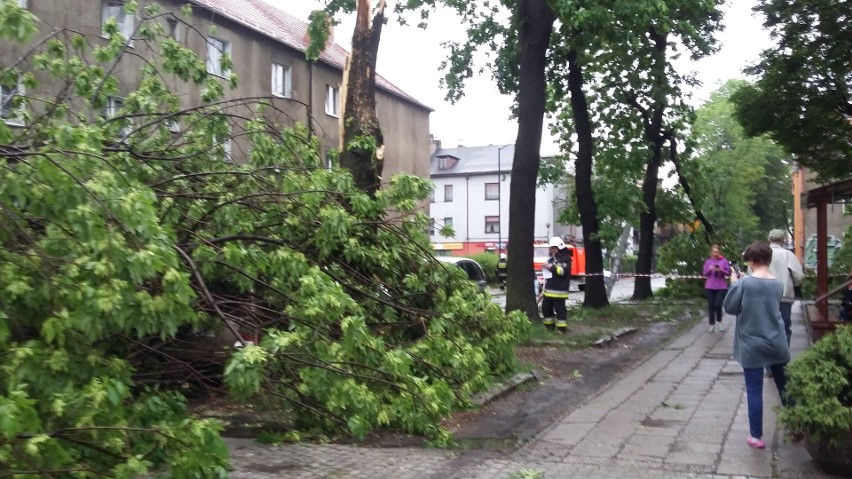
(138, 263)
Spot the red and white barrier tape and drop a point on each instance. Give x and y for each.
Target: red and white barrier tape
(680, 276)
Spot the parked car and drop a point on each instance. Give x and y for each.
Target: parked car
(472, 268)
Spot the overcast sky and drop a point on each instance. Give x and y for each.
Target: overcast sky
(410, 58)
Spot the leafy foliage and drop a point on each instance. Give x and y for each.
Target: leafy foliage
(819, 387)
(741, 184)
(526, 474)
(683, 254)
(133, 259)
(744, 181)
(802, 96)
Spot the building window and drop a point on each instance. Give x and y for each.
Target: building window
(174, 29)
(492, 224)
(216, 51)
(446, 162)
(110, 110)
(222, 147)
(448, 193)
(124, 21)
(431, 226)
(492, 191)
(432, 195)
(332, 101)
(11, 106)
(226, 147)
(173, 125)
(448, 222)
(282, 80)
(112, 106)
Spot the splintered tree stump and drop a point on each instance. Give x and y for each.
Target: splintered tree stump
(362, 147)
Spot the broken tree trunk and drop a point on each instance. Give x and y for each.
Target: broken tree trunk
(362, 143)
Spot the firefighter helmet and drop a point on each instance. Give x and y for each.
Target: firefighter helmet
(557, 242)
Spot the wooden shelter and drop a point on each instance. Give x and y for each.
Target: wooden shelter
(820, 198)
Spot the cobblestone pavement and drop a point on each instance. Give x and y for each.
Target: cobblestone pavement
(679, 414)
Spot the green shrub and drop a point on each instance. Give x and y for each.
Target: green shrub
(488, 261)
(819, 389)
(683, 254)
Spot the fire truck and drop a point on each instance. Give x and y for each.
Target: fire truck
(541, 252)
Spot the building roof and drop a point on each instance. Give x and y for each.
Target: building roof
(473, 160)
(279, 25)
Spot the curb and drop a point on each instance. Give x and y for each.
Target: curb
(613, 336)
(501, 389)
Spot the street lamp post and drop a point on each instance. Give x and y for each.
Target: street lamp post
(500, 200)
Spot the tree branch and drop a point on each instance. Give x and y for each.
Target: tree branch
(207, 294)
(684, 183)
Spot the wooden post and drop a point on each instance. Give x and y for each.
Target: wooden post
(822, 258)
(798, 214)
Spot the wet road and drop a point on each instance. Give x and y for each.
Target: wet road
(622, 290)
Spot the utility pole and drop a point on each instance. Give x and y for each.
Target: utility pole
(500, 199)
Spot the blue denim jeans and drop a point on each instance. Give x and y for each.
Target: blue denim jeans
(786, 315)
(754, 395)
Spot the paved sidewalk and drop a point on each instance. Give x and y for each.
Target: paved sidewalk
(681, 413)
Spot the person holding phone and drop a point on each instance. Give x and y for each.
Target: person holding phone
(716, 270)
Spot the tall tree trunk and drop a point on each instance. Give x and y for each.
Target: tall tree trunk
(364, 159)
(534, 20)
(647, 222)
(653, 126)
(596, 296)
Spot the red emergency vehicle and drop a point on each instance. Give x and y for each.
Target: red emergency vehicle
(541, 251)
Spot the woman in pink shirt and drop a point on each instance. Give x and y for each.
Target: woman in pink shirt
(716, 270)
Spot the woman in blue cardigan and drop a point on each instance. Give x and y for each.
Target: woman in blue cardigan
(760, 341)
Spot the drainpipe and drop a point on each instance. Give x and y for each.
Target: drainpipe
(310, 100)
(467, 209)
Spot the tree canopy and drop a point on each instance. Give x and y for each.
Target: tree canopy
(744, 181)
(634, 106)
(741, 183)
(803, 94)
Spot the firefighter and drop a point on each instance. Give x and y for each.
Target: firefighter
(502, 271)
(557, 274)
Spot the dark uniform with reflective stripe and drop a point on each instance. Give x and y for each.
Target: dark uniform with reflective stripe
(502, 272)
(556, 290)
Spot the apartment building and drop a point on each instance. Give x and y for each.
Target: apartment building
(472, 195)
(266, 46)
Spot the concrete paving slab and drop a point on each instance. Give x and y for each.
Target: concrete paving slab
(694, 453)
(569, 433)
(648, 445)
(626, 431)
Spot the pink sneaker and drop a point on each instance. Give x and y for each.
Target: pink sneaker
(755, 443)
